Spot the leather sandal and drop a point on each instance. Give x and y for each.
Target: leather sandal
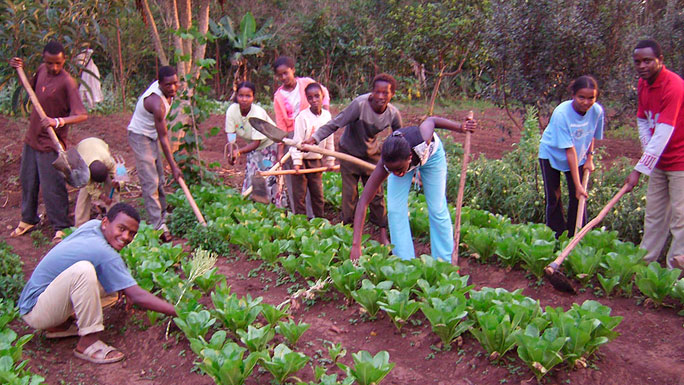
(97, 353)
(22, 228)
(59, 235)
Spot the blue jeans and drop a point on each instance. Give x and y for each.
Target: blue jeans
(433, 176)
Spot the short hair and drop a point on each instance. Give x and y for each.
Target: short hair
(395, 148)
(165, 72)
(122, 208)
(54, 47)
(652, 44)
(387, 78)
(98, 171)
(584, 81)
(286, 60)
(244, 84)
(313, 85)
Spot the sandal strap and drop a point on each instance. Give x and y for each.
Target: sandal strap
(98, 350)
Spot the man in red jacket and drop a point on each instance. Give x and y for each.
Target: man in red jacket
(660, 119)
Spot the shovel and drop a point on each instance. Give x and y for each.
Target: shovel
(74, 168)
(558, 280)
(459, 196)
(258, 181)
(272, 132)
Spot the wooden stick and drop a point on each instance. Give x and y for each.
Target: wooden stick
(582, 202)
(301, 171)
(191, 201)
(553, 266)
(273, 168)
(459, 196)
(334, 154)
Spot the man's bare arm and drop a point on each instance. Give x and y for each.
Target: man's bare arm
(154, 105)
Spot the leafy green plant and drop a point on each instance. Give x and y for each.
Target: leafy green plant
(236, 314)
(433, 268)
(273, 314)
(540, 353)
(508, 248)
(622, 263)
(336, 351)
(346, 277)
(369, 295)
(284, 362)
(447, 317)
(537, 255)
(291, 330)
(373, 265)
(369, 369)
(583, 261)
(316, 256)
(678, 291)
(399, 306)
(209, 280)
(195, 324)
(609, 283)
(656, 282)
(11, 275)
(255, 338)
(495, 330)
(482, 241)
(223, 360)
(402, 274)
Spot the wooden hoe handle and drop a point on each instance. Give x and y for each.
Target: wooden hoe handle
(302, 171)
(191, 201)
(553, 266)
(461, 189)
(36, 104)
(582, 202)
(334, 154)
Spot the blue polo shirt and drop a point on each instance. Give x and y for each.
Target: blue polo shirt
(568, 129)
(85, 244)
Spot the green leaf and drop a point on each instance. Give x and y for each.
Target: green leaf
(292, 331)
(284, 362)
(369, 369)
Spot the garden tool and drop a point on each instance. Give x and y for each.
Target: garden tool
(461, 189)
(258, 187)
(70, 163)
(582, 202)
(558, 280)
(302, 171)
(272, 132)
(191, 201)
(230, 144)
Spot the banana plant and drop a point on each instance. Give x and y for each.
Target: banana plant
(369, 369)
(399, 306)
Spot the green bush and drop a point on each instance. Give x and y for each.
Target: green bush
(11, 276)
(513, 185)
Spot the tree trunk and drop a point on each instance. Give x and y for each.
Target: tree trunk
(203, 28)
(177, 42)
(185, 13)
(155, 34)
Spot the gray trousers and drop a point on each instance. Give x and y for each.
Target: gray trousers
(148, 162)
(37, 174)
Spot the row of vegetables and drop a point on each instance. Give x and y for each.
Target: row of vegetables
(13, 369)
(318, 251)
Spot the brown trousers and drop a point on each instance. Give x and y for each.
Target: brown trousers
(351, 175)
(314, 183)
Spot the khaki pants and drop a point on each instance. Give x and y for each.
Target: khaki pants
(664, 211)
(75, 290)
(83, 201)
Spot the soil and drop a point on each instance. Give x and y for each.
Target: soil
(649, 350)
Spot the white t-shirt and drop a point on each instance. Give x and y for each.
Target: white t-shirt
(294, 99)
(236, 123)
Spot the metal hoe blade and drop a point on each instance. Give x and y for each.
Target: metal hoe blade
(270, 131)
(560, 282)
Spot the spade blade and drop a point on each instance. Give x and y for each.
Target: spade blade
(560, 282)
(79, 174)
(270, 131)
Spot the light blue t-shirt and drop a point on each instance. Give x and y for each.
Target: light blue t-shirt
(568, 129)
(85, 244)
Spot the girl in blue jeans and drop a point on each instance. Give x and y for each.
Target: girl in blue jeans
(405, 151)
